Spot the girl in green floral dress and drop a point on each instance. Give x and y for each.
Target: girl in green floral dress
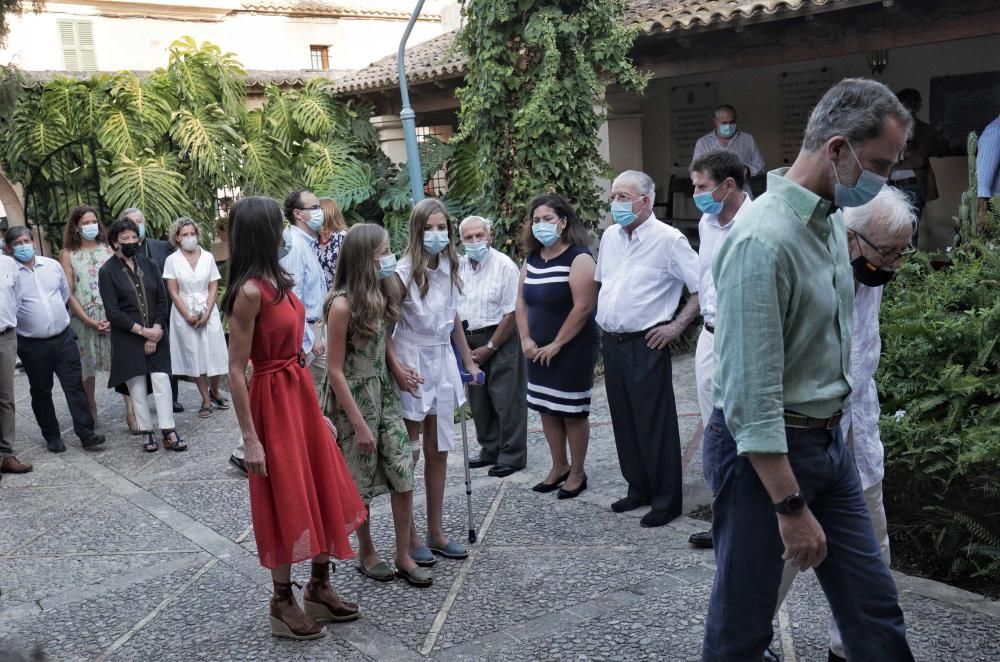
(361, 400)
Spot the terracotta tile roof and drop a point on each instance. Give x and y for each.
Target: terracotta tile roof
(254, 77)
(437, 60)
(320, 8)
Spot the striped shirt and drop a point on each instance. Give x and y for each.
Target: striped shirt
(988, 160)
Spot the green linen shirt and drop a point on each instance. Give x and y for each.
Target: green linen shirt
(785, 309)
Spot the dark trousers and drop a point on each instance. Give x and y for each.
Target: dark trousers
(59, 356)
(748, 550)
(499, 408)
(640, 388)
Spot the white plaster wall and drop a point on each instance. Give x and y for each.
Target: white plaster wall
(755, 94)
(260, 41)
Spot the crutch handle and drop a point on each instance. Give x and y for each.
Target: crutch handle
(467, 378)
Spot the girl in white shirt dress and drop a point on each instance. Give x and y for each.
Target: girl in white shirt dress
(421, 353)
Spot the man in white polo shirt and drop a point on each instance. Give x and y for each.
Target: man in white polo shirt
(642, 268)
(718, 192)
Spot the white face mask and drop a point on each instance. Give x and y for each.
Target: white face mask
(189, 243)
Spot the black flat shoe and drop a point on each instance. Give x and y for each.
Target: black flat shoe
(657, 518)
(701, 540)
(55, 445)
(544, 487)
(572, 494)
(627, 504)
(479, 463)
(178, 407)
(238, 463)
(500, 471)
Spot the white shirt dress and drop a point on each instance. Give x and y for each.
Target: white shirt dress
(423, 341)
(202, 351)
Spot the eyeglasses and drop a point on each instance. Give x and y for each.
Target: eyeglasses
(890, 255)
(309, 208)
(623, 197)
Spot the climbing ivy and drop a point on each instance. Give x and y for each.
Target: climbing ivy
(530, 104)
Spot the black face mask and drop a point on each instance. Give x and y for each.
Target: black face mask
(868, 274)
(129, 250)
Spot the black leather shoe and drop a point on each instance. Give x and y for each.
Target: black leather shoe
(55, 445)
(238, 463)
(701, 540)
(178, 407)
(544, 487)
(500, 471)
(479, 463)
(657, 518)
(572, 494)
(92, 442)
(627, 504)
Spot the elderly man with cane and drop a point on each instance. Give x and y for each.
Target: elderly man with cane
(499, 410)
(786, 486)
(878, 236)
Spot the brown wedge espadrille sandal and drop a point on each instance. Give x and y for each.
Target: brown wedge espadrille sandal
(301, 629)
(320, 602)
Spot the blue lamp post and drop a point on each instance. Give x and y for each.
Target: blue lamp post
(408, 117)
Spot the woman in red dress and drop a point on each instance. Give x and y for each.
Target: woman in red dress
(302, 500)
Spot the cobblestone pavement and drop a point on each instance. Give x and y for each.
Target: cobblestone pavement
(123, 555)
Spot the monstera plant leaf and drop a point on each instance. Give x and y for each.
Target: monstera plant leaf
(279, 110)
(148, 99)
(317, 113)
(319, 162)
(352, 185)
(36, 130)
(265, 167)
(207, 138)
(149, 184)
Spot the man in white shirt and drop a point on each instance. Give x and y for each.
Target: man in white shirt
(46, 344)
(726, 136)
(878, 235)
(642, 267)
(9, 293)
(718, 192)
(489, 296)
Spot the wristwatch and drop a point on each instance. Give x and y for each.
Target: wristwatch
(490, 346)
(793, 504)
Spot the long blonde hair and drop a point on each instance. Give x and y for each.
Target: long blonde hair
(333, 218)
(420, 256)
(371, 299)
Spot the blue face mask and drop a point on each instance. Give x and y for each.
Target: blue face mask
(545, 233)
(24, 252)
(621, 212)
(142, 230)
(315, 221)
(435, 241)
(727, 130)
(386, 266)
(477, 251)
(864, 190)
(89, 231)
(707, 203)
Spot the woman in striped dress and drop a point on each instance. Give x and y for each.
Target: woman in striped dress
(555, 319)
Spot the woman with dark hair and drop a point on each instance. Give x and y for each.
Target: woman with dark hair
(85, 250)
(302, 501)
(137, 306)
(555, 319)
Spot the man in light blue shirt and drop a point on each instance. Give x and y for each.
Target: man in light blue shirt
(306, 217)
(988, 167)
(46, 344)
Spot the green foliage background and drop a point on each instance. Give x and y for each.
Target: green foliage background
(536, 71)
(940, 371)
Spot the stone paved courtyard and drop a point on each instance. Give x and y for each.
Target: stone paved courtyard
(122, 555)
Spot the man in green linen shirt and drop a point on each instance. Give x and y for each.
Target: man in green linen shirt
(785, 484)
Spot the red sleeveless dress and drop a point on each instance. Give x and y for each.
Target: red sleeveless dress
(307, 504)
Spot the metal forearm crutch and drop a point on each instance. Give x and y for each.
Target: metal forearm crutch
(466, 380)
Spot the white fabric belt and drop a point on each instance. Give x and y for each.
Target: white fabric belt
(417, 339)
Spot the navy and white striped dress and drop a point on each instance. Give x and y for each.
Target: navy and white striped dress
(563, 387)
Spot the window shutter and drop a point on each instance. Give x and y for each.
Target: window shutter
(85, 40)
(67, 39)
(77, 41)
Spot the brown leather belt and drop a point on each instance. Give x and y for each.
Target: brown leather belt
(797, 420)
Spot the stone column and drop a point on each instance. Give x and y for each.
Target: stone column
(390, 137)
